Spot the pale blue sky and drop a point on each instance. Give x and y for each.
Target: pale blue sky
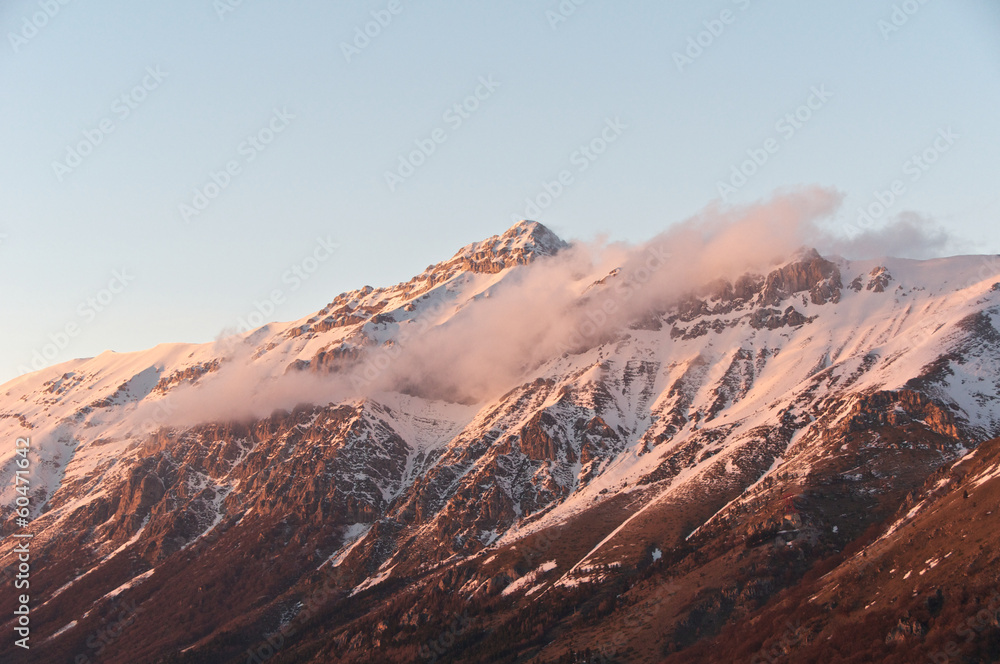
(681, 130)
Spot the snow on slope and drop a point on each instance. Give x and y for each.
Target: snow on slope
(910, 325)
(643, 396)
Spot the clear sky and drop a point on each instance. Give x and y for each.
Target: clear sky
(121, 227)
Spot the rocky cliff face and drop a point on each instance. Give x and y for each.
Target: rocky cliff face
(663, 484)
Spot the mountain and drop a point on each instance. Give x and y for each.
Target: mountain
(519, 455)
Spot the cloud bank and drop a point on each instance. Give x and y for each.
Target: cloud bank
(584, 295)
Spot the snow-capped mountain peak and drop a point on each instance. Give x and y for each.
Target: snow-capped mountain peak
(684, 429)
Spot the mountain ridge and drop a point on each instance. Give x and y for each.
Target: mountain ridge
(680, 430)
